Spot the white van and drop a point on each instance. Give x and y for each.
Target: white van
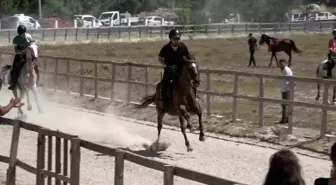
(16, 19)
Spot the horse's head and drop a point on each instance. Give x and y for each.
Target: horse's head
(192, 70)
(264, 38)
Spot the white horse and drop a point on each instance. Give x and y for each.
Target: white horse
(321, 73)
(26, 81)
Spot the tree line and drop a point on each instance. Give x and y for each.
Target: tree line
(189, 11)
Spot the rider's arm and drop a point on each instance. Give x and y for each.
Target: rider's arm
(161, 57)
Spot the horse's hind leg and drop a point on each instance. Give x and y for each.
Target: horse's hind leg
(270, 64)
(37, 100)
(183, 128)
(318, 92)
(276, 60)
(160, 116)
(29, 106)
(199, 114)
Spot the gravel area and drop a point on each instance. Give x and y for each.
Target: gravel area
(231, 160)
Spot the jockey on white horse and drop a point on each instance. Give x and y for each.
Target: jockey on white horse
(22, 42)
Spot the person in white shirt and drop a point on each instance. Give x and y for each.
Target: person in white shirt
(287, 89)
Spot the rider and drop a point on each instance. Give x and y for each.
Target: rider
(331, 54)
(21, 42)
(171, 56)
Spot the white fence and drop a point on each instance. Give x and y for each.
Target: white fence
(75, 34)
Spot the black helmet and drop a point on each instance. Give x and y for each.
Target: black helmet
(174, 33)
(21, 29)
(334, 30)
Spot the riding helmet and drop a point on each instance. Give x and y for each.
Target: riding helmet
(174, 33)
(21, 29)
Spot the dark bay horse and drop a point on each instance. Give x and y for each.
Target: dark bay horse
(277, 45)
(182, 103)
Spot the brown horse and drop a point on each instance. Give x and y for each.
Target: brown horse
(183, 100)
(278, 45)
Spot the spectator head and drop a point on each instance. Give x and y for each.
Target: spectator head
(284, 169)
(333, 154)
(250, 34)
(282, 63)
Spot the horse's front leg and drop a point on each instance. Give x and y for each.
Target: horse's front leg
(276, 60)
(29, 106)
(270, 64)
(183, 128)
(318, 92)
(37, 100)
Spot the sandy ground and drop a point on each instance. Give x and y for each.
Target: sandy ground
(229, 159)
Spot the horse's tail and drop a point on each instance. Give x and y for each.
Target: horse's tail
(146, 101)
(6, 68)
(294, 48)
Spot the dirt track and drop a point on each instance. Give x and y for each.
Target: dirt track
(229, 159)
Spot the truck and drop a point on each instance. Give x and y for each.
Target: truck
(117, 18)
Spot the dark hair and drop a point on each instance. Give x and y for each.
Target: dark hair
(282, 61)
(333, 152)
(284, 169)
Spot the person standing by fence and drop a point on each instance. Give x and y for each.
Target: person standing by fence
(252, 42)
(287, 91)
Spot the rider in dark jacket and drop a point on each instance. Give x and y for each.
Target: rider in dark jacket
(172, 56)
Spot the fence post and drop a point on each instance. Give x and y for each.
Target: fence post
(11, 171)
(56, 73)
(324, 117)
(112, 80)
(168, 176)
(81, 83)
(58, 159)
(261, 101)
(146, 80)
(235, 99)
(40, 158)
(68, 77)
(208, 96)
(75, 161)
(129, 81)
(96, 80)
(119, 168)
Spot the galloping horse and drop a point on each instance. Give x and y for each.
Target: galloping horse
(183, 100)
(278, 45)
(26, 80)
(320, 73)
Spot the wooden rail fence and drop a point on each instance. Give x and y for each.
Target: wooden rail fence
(76, 34)
(73, 177)
(208, 92)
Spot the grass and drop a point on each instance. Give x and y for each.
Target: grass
(229, 54)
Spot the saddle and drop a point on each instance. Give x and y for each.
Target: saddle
(273, 43)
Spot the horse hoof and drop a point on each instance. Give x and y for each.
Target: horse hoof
(189, 149)
(317, 98)
(201, 138)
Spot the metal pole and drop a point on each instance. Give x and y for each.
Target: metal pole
(40, 9)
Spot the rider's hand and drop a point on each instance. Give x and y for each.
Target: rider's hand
(16, 102)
